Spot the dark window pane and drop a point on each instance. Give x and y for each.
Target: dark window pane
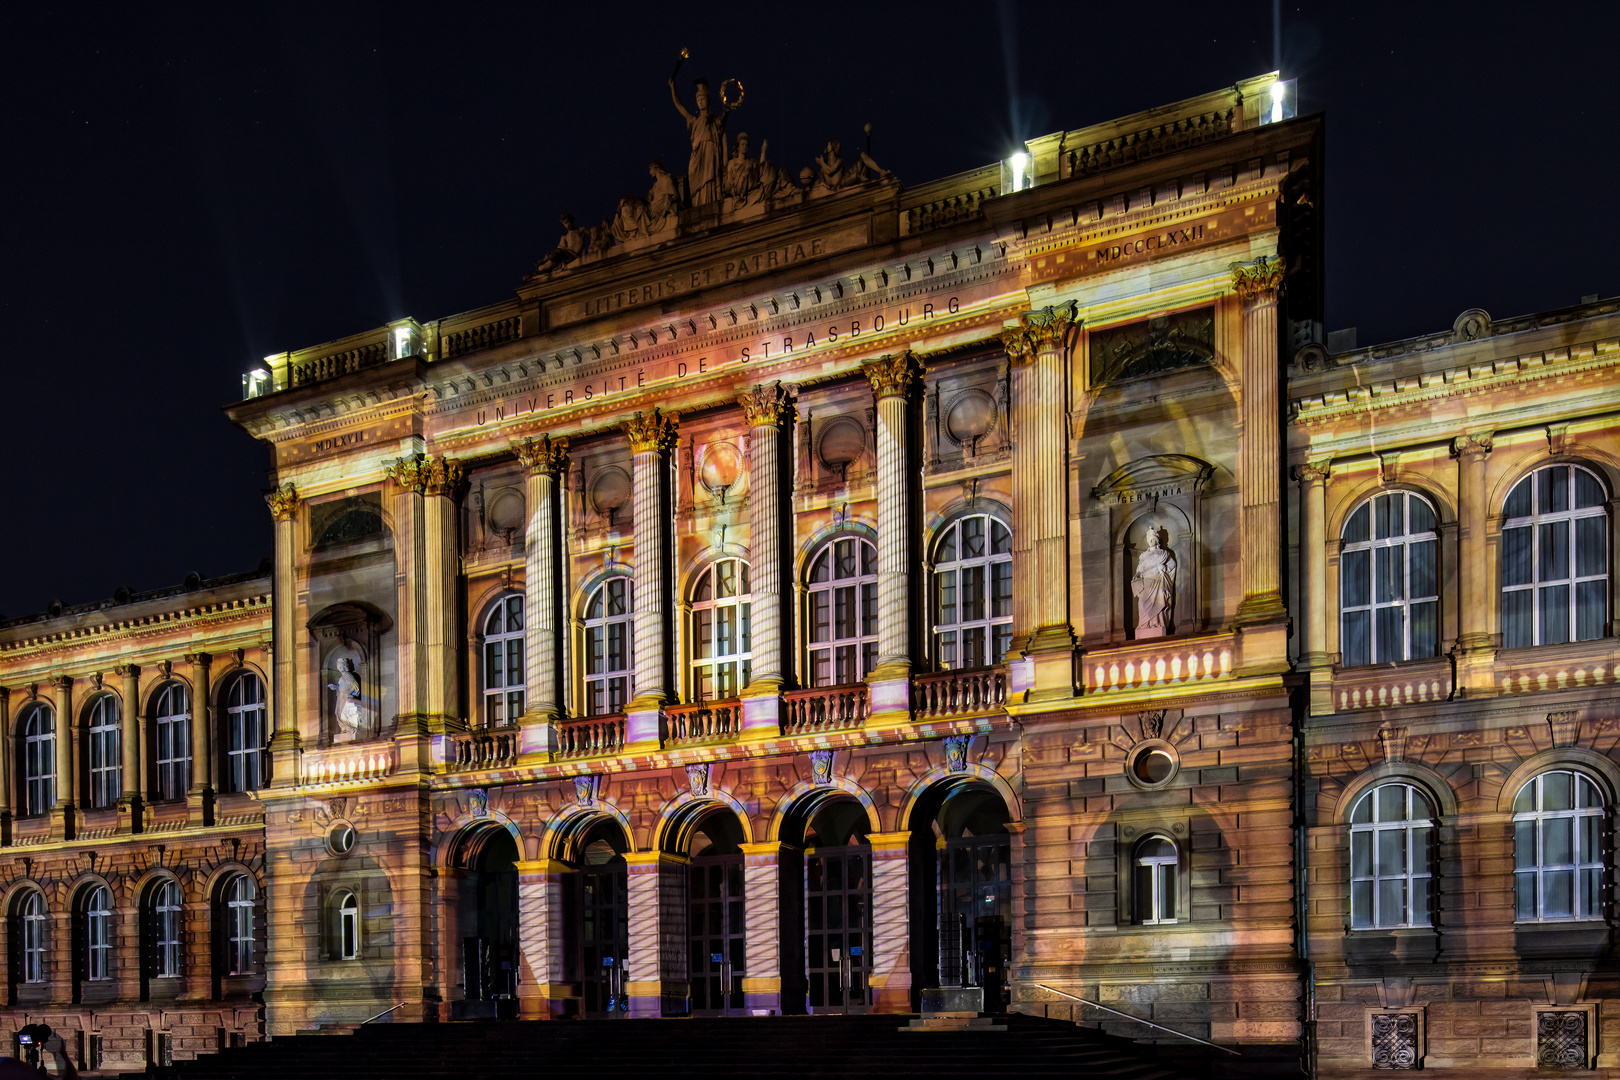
(1554, 489)
(1391, 634)
(1355, 588)
(1421, 565)
(1517, 624)
(1355, 643)
(1591, 609)
(1425, 630)
(1355, 530)
(1588, 492)
(1389, 576)
(1421, 516)
(1518, 500)
(1591, 547)
(1552, 551)
(1516, 556)
(1554, 603)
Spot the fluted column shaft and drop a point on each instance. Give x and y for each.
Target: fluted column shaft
(892, 379)
(1260, 454)
(66, 788)
(651, 439)
(410, 481)
(202, 753)
(439, 559)
(283, 503)
(1473, 513)
(765, 408)
(543, 458)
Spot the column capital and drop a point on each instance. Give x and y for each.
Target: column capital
(766, 404)
(441, 475)
(1046, 328)
(282, 501)
(128, 671)
(891, 375)
(652, 432)
(63, 682)
(199, 659)
(1314, 472)
(1258, 281)
(542, 456)
(410, 472)
(1474, 444)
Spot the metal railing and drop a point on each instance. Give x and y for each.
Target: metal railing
(1138, 1019)
(385, 1012)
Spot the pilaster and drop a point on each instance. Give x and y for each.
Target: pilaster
(1037, 353)
(1258, 286)
(652, 436)
(129, 736)
(284, 750)
(62, 816)
(1475, 649)
(6, 743)
(767, 409)
(762, 926)
(1315, 658)
(893, 378)
(410, 477)
(543, 460)
(543, 989)
(655, 977)
(440, 707)
(891, 922)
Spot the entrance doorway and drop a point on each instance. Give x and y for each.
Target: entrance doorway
(716, 928)
(487, 907)
(971, 894)
(604, 921)
(838, 909)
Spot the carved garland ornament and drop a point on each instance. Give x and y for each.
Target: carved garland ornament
(892, 375)
(543, 456)
(652, 432)
(1260, 280)
(766, 405)
(282, 501)
(1037, 330)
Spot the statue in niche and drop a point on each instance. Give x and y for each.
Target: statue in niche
(1154, 586)
(568, 248)
(350, 709)
(708, 134)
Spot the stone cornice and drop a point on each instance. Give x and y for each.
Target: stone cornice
(223, 614)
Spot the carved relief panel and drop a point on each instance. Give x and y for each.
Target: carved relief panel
(600, 491)
(494, 514)
(836, 447)
(967, 415)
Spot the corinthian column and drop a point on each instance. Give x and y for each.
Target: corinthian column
(129, 738)
(410, 476)
(6, 744)
(1474, 652)
(767, 409)
(441, 482)
(1259, 468)
(652, 437)
(1313, 479)
(283, 502)
(543, 459)
(1037, 353)
(892, 378)
(202, 753)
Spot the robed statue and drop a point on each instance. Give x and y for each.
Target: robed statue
(350, 710)
(1154, 586)
(705, 169)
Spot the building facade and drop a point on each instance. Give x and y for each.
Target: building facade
(802, 594)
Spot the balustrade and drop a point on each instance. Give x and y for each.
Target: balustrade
(485, 749)
(1558, 667)
(342, 363)
(1381, 686)
(1159, 662)
(959, 693)
(590, 737)
(703, 721)
(827, 708)
(344, 766)
(460, 342)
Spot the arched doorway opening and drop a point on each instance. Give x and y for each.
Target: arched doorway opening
(836, 899)
(716, 928)
(599, 935)
(961, 889)
(486, 919)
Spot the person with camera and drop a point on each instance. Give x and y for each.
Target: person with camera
(33, 1039)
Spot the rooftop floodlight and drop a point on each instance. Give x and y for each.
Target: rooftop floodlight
(1016, 172)
(255, 383)
(1280, 102)
(402, 342)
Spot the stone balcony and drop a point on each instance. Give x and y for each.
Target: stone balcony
(1160, 663)
(1570, 666)
(1382, 686)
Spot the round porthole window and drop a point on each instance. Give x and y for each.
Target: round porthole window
(1152, 764)
(341, 839)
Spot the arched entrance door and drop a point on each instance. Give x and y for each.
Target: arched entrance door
(602, 925)
(716, 928)
(487, 920)
(837, 899)
(962, 897)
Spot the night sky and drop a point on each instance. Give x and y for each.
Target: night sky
(189, 189)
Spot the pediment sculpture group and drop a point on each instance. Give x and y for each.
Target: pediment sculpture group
(716, 173)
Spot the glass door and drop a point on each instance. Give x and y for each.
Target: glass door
(715, 934)
(838, 927)
(604, 937)
(975, 915)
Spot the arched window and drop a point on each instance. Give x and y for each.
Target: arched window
(245, 734)
(164, 919)
(106, 755)
(237, 901)
(98, 933)
(345, 926)
(1156, 864)
(843, 612)
(1555, 558)
(1391, 857)
(39, 758)
(1389, 582)
(609, 649)
(503, 662)
(972, 593)
(1558, 848)
(34, 918)
(720, 631)
(172, 741)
